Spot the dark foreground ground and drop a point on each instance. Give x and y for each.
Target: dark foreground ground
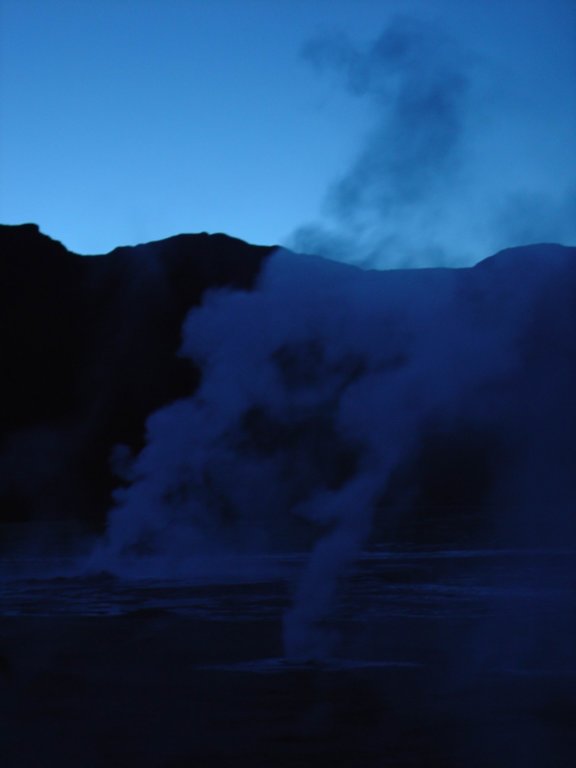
(160, 691)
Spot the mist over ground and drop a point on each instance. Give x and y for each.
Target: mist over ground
(318, 391)
(329, 507)
(305, 504)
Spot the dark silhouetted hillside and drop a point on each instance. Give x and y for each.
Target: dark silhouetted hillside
(423, 397)
(89, 347)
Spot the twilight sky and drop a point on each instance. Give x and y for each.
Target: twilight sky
(378, 131)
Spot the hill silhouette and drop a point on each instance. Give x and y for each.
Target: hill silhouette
(428, 391)
(89, 351)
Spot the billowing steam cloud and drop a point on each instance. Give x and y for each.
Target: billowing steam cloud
(316, 387)
(389, 201)
(429, 186)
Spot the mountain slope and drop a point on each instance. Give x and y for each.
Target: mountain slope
(308, 397)
(89, 350)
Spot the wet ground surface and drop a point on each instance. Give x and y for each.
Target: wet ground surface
(442, 659)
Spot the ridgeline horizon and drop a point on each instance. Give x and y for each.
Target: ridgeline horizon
(93, 348)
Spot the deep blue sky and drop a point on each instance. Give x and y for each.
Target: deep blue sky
(388, 132)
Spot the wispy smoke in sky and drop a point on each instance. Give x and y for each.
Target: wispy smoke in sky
(417, 83)
(429, 185)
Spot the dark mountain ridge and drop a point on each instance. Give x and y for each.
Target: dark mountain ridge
(91, 350)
